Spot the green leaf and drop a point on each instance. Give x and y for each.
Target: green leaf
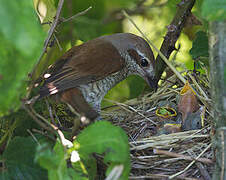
(200, 46)
(19, 160)
(136, 85)
(54, 161)
(214, 10)
(20, 26)
(104, 138)
(21, 41)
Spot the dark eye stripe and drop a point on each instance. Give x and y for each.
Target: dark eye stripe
(139, 59)
(134, 55)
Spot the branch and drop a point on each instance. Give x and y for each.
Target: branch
(57, 21)
(50, 33)
(160, 53)
(34, 116)
(174, 30)
(54, 24)
(45, 124)
(78, 14)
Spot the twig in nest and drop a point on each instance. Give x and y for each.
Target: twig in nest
(203, 171)
(177, 174)
(199, 87)
(172, 154)
(159, 176)
(115, 173)
(132, 109)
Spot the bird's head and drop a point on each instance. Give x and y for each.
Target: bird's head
(138, 56)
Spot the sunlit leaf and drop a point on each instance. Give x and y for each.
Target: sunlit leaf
(21, 41)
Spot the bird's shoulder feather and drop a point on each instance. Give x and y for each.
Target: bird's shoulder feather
(82, 64)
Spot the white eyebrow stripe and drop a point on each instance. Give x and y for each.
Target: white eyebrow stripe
(150, 68)
(141, 54)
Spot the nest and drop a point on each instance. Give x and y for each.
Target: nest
(155, 155)
(181, 155)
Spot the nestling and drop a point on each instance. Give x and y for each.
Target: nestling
(85, 73)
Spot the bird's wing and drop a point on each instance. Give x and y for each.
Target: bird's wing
(82, 64)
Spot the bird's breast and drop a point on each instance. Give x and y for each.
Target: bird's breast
(95, 91)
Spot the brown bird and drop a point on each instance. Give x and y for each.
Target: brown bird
(85, 73)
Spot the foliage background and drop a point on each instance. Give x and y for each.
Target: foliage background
(21, 42)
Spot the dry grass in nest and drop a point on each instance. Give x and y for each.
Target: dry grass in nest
(166, 156)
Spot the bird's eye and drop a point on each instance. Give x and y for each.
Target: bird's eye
(144, 62)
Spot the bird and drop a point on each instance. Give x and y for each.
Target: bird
(85, 73)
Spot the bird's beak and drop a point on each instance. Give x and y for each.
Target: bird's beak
(152, 82)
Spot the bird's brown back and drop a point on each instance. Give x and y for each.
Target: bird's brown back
(81, 65)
